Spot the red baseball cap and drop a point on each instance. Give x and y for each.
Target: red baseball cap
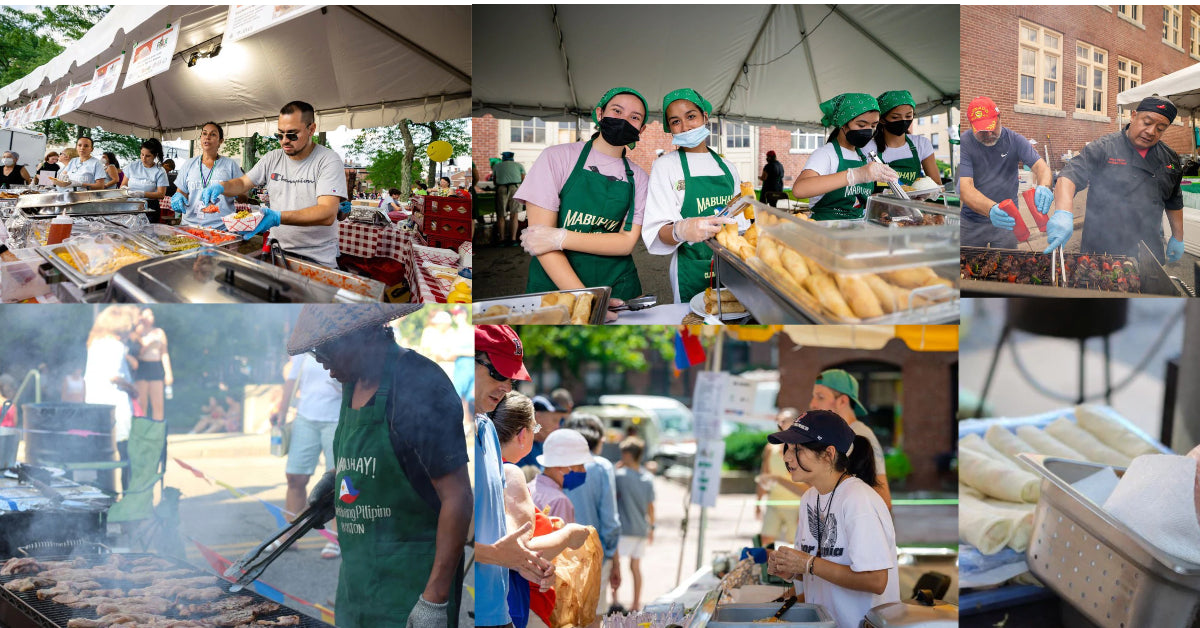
(983, 114)
(503, 348)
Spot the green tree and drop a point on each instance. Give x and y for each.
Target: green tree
(397, 152)
(567, 349)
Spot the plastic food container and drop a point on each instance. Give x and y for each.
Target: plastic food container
(105, 252)
(247, 222)
(20, 280)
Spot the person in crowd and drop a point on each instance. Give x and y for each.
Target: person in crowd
(515, 428)
(169, 167)
(197, 174)
(837, 391)
(306, 183)
(153, 371)
(212, 418)
(687, 188)
(74, 388)
(508, 175)
(49, 164)
(772, 180)
(403, 494)
(13, 172)
(498, 364)
(837, 178)
(105, 376)
(775, 483)
(987, 176)
(549, 417)
(112, 168)
(391, 201)
(911, 156)
(561, 398)
(443, 187)
(595, 500)
(147, 179)
(576, 240)
(233, 415)
(635, 505)
(845, 554)
(83, 170)
(564, 455)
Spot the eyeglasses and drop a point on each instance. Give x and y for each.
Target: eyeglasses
(494, 373)
(319, 355)
(537, 427)
(291, 135)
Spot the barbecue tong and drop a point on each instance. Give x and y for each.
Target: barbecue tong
(894, 185)
(1058, 257)
(254, 563)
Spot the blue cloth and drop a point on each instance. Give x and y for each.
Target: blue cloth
(596, 503)
(993, 171)
(139, 177)
(491, 581)
(537, 450)
(464, 378)
(194, 177)
(635, 493)
(518, 599)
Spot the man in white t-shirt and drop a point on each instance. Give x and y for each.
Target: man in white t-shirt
(837, 391)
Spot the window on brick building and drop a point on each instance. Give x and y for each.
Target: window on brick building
(933, 139)
(528, 131)
(1195, 41)
(806, 142)
(1129, 74)
(1091, 79)
(737, 135)
(934, 119)
(1041, 56)
(1131, 11)
(1172, 24)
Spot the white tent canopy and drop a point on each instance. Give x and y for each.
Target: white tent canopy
(1181, 87)
(358, 66)
(750, 61)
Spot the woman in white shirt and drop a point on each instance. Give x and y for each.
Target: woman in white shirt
(84, 171)
(845, 551)
(146, 179)
(106, 377)
(911, 156)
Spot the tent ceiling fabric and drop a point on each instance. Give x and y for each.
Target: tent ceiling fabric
(1181, 87)
(660, 48)
(352, 72)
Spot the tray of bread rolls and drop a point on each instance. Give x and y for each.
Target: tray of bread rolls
(586, 306)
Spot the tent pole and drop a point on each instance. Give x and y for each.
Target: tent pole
(888, 51)
(153, 105)
(562, 48)
(407, 43)
(738, 74)
(812, 71)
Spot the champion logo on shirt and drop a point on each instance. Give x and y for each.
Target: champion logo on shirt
(275, 176)
(347, 494)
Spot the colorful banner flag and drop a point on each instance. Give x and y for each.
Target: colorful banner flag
(688, 350)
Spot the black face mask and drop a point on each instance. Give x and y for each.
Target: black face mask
(859, 137)
(897, 127)
(618, 131)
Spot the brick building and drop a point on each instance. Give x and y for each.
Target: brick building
(1055, 71)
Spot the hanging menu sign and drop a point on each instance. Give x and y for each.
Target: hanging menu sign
(153, 56)
(104, 79)
(75, 96)
(247, 19)
(56, 105)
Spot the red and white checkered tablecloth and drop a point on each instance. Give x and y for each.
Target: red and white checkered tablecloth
(407, 247)
(427, 287)
(362, 240)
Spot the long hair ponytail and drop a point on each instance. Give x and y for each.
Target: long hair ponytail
(860, 463)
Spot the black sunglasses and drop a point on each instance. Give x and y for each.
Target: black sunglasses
(494, 373)
(320, 356)
(291, 135)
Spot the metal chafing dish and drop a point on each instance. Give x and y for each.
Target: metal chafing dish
(60, 199)
(213, 275)
(529, 303)
(1154, 279)
(90, 203)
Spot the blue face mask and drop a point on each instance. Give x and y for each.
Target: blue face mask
(691, 139)
(574, 479)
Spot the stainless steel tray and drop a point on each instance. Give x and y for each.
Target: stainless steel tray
(1112, 575)
(351, 288)
(525, 303)
(84, 281)
(748, 615)
(232, 246)
(60, 199)
(99, 208)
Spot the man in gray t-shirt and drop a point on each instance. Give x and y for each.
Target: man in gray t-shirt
(306, 183)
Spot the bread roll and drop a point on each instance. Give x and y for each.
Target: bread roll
(795, 264)
(583, 309)
(566, 299)
(858, 296)
(1110, 432)
(911, 277)
(550, 300)
(823, 287)
(891, 298)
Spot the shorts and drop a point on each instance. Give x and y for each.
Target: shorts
(308, 439)
(779, 522)
(148, 371)
(631, 546)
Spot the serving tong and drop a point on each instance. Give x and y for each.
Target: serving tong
(635, 304)
(893, 185)
(1058, 257)
(250, 566)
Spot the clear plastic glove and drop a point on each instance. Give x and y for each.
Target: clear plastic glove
(428, 615)
(540, 239)
(134, 193)
(1000, 218)
(873, 171)
(211, 194)
(270, 219)
(178, 203)
(1059, 229)
(322, 496)
(1043, 198)
(700, 228)
(1174, 250)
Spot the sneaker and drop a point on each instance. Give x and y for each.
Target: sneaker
(331, 550)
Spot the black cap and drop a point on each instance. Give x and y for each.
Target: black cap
(543, 404)
(823, 426)
(1161, 106)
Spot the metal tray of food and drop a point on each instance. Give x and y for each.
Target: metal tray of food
(210, 237)
(772, 303)
(861, 246)
(168, 239)
(57, 255)
(1033, 278)
(100, 208)
(750, 615)
(1113, 576)
(61, 199)
(893, 212)
(530, 303)
(351, 288)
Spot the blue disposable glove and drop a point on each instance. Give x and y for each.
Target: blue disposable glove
(1000, 218)
(1043, 198)
(1059, 228)
(344, 207)
(179, 203)
(211, 194)
(1174, 250)
(270, 219)
(759, 554)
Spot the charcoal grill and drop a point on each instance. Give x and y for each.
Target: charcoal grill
(32, 522)
(1154, 278)
(25, 610)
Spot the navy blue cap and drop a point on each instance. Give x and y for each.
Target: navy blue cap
(821, 426)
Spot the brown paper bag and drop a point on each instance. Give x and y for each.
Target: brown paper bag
(577, 584)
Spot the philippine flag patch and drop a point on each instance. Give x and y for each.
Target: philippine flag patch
(347, 493)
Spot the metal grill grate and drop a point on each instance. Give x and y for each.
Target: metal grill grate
(25, 610)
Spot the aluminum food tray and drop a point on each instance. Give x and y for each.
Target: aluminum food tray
(770, 305)
(1109, 573)
(231, 246)
(351, 288)
(60, 199)
(1155, 280)
(745, 615)
(879, 203)
(84, 281)
(526, 303)
(860, 246)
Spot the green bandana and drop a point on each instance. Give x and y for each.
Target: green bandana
(845, 107)
(891, 100)
(689, 95)
(613, 92)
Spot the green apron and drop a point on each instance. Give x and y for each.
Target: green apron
(388, 533)
(702, 196)
(909, 168)
(844, 203)
(590, 202)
